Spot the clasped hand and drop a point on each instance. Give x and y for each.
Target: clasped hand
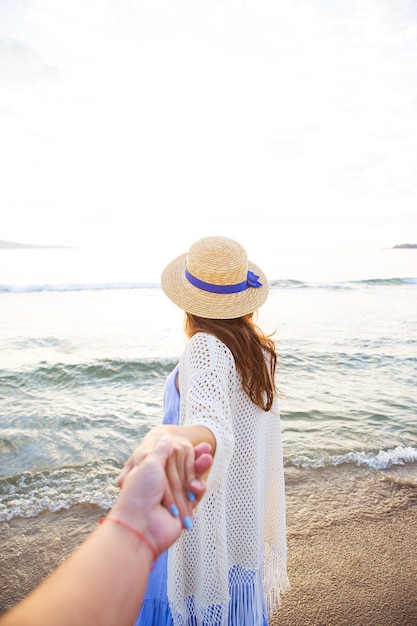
(175, 484)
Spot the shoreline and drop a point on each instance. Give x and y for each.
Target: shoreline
(352, 540)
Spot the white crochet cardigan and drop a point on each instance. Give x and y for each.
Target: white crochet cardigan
(241, 520)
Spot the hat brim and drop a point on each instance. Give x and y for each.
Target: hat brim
(211, 305)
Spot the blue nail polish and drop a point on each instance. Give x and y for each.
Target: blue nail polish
(174, 510)
(191, 496)
(188, 522)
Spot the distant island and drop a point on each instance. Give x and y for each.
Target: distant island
(406, 245)
(13, 245)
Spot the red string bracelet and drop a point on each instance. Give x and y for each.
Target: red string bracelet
(134, 531)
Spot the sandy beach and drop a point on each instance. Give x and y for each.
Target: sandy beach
(364, 572)
(352, 539)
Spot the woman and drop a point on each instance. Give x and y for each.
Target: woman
(229, 568)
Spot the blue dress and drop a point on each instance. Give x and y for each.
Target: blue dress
(155, 609)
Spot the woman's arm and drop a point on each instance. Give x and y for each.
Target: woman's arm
(103, 582)
(206, 369)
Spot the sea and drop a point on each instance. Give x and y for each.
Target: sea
(86, 346)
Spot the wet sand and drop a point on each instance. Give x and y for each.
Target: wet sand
(352, 547)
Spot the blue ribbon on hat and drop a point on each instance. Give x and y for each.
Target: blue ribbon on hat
(251, 281)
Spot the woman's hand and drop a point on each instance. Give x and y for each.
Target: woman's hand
(144, 488)
(185, 465)
(140, 502)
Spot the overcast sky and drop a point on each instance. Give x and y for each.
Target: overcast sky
(152, 121)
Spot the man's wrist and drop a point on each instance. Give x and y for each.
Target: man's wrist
(134, 524)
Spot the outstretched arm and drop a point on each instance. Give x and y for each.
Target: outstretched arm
(103, 582)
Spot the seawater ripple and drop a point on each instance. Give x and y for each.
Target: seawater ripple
(127, 370)
(70, 287)
(79, 374)
(286, 283)
(355, 360)
(349, 284)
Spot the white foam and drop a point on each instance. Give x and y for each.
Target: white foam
(379, 461)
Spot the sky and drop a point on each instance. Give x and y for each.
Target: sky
(150, 123)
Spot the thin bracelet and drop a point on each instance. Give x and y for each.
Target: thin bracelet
(134, 531)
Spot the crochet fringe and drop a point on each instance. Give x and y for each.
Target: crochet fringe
(243, 609)
(246, 605)
(276, 581)
(215, 615)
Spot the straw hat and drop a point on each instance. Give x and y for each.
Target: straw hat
(215, 280)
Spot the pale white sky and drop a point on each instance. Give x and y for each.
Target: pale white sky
(155, 122)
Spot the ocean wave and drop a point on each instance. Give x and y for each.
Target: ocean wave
(23, 343)
(350, 284)
(28, 494)
(78, 374)
(16, 289)
(374, 460)
(355, 360)
(274, 284)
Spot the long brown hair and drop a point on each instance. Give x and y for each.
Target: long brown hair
(248, 345)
